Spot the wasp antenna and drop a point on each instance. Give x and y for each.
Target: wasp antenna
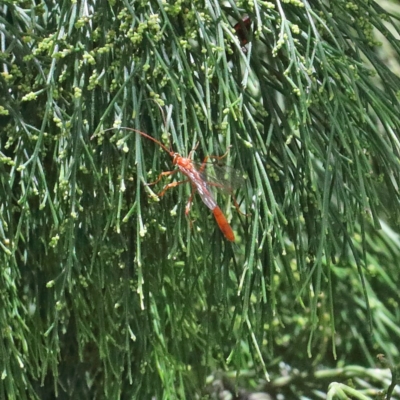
(140, 133)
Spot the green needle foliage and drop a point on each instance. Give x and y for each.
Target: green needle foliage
(108, 291)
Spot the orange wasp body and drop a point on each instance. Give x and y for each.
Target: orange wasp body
(199, 184)
(187, 167)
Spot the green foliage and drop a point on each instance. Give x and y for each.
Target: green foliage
(107, 292)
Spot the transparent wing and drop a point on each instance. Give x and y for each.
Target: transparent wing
(220, 176)
(202, 187)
